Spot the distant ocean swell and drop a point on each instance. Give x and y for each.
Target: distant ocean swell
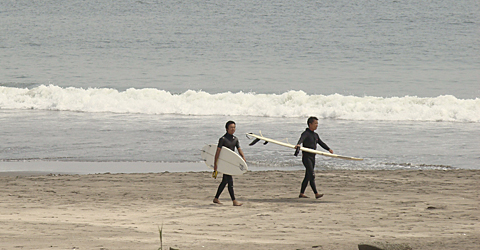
(289, 104)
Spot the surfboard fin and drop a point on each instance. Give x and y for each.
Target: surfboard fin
(265, 143)
(254, 142)
(297, 151)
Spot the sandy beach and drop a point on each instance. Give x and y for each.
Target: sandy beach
(429, 209)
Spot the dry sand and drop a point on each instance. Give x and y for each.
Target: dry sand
(431, 209)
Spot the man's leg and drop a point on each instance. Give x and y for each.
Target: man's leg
(220, 188)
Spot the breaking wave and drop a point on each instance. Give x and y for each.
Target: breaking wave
(289, 104)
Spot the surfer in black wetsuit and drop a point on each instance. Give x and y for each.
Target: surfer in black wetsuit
(310, 139)
(230, 141)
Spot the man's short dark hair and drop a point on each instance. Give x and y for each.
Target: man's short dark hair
(228, 124)
(311, 119)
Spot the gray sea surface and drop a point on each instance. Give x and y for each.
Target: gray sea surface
(394, 82)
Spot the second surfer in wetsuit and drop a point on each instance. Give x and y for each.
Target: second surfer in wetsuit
(230, 141)
(310, 139)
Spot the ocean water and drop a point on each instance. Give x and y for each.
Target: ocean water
(394, 82)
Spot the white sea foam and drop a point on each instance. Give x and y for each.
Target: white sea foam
(288, 104)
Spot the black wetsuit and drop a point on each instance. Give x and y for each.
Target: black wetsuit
(231, 142)
(310, 139)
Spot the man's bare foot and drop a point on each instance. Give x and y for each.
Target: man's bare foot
(236, 203)
(318, 196)
(302, 196)
(215, 200)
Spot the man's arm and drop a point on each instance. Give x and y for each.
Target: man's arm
(324, 145)
(240, 152)
(300, 141)
(217, 154)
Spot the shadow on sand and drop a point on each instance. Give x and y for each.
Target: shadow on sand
(291, 200)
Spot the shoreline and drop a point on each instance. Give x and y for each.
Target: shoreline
(425, 209)
(75, 167)
(39, 167)
(26, 168)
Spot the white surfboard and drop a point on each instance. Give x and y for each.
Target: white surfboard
(309, 150)
(229, 162)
